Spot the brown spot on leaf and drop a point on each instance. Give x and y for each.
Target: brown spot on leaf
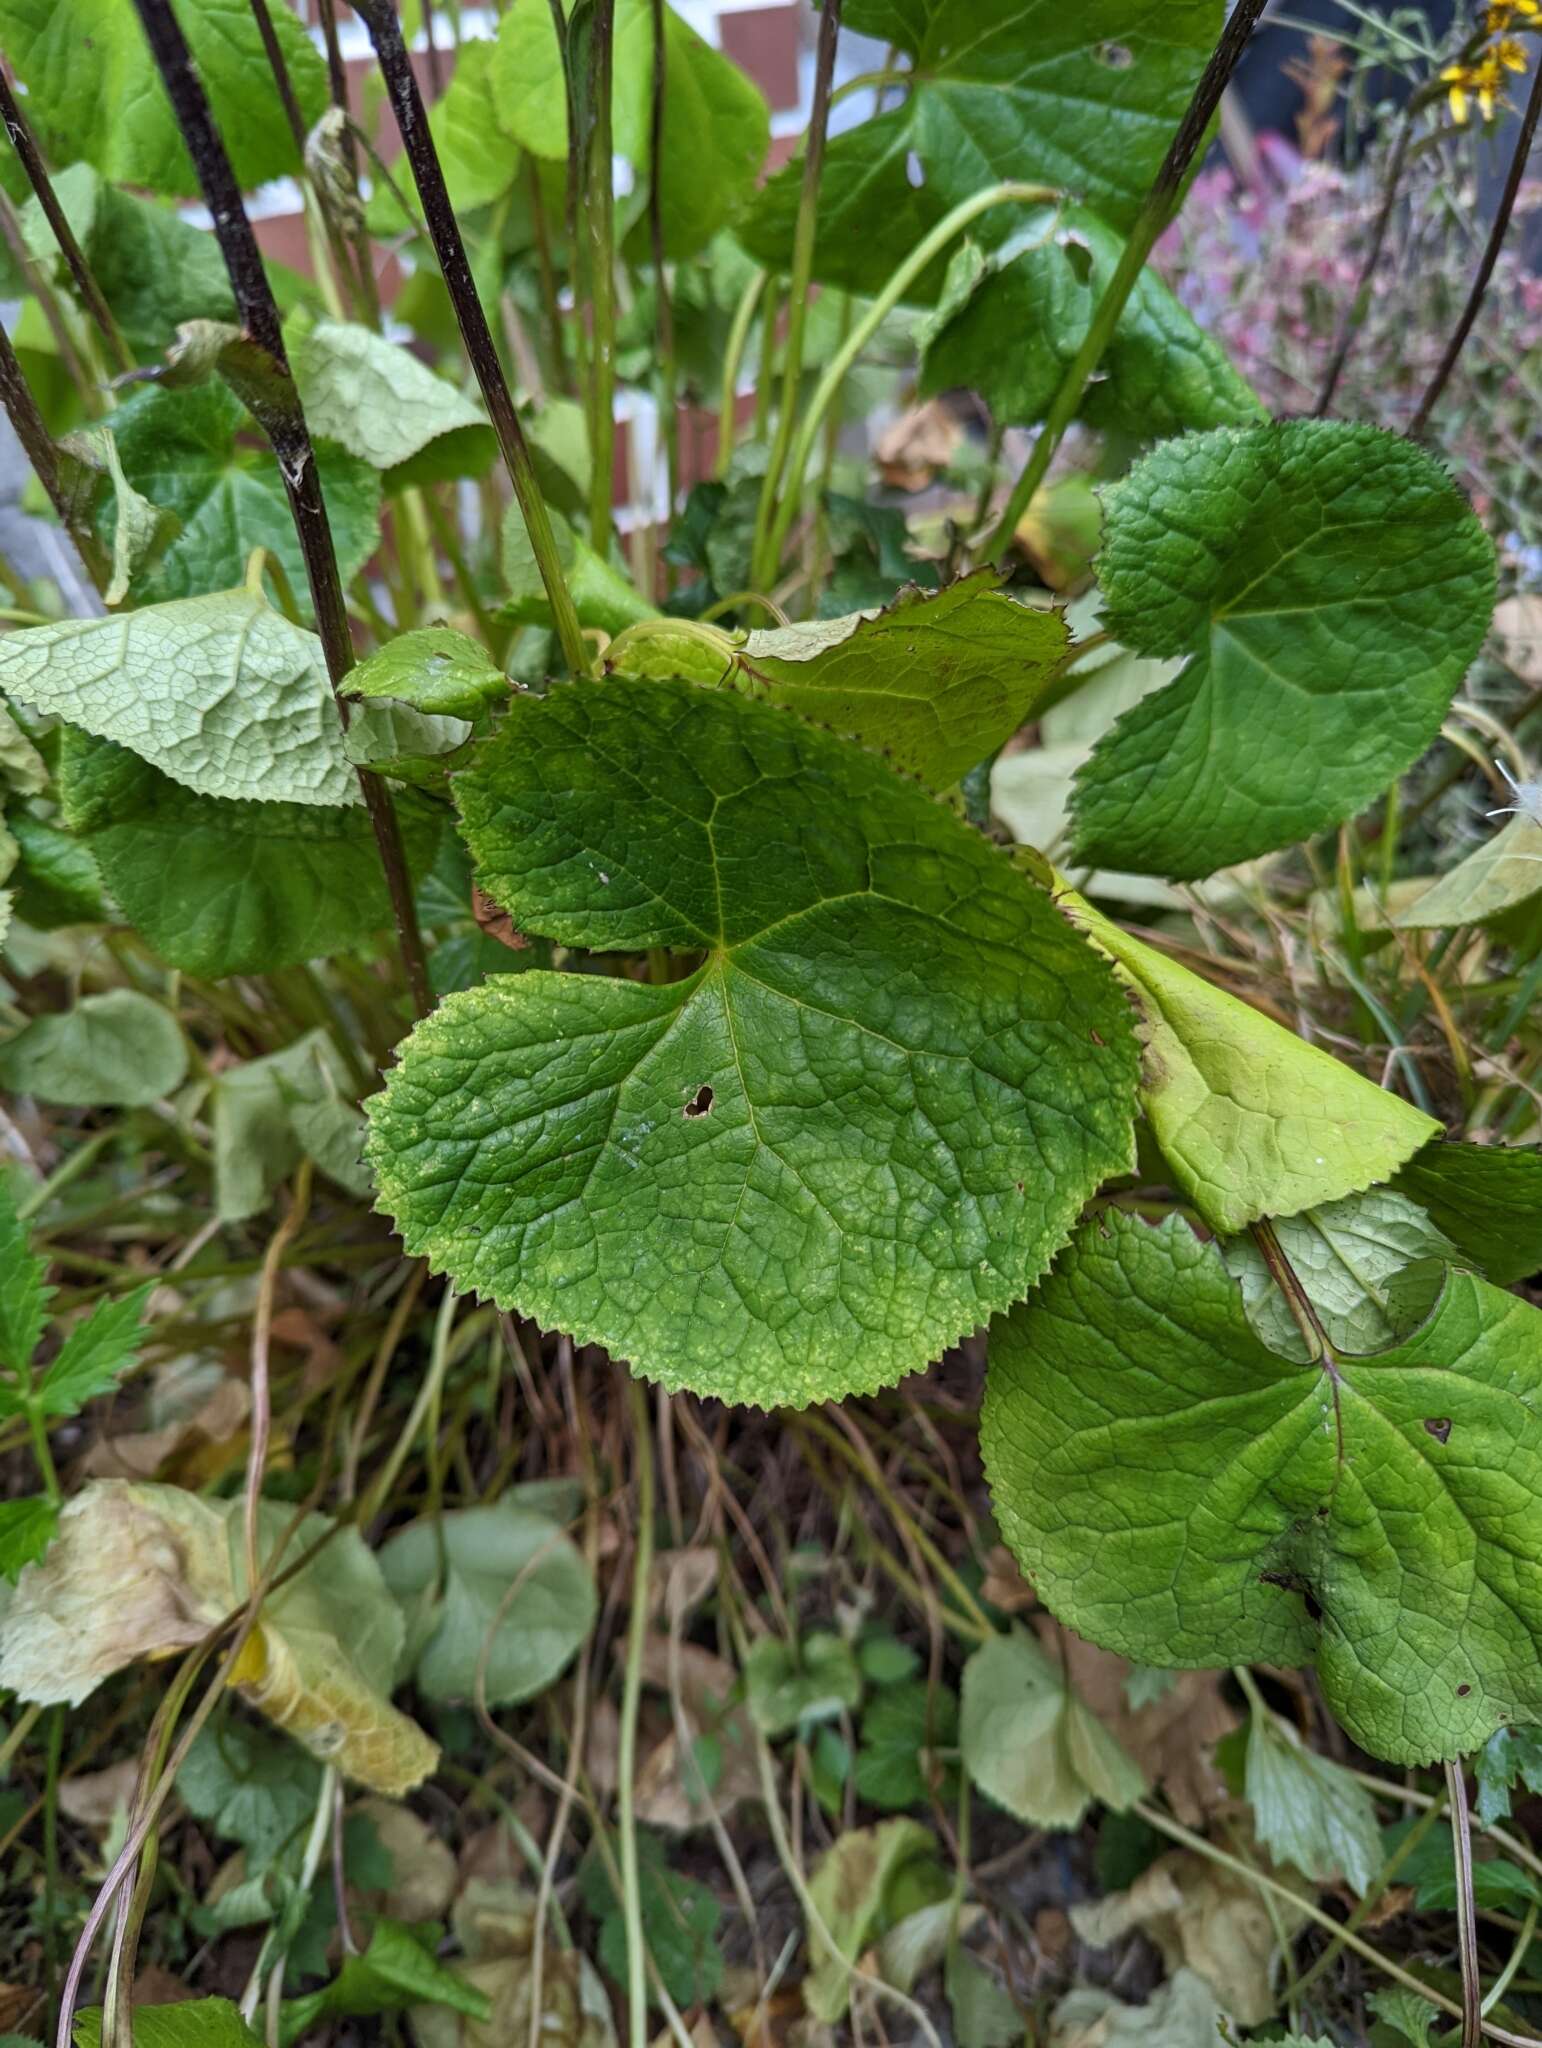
(700, 1103)
(1439, 1427)
(1462, 1691)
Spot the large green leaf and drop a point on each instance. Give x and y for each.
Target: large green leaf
(1251, 1120)
(1488, 1201)
(935, 682)
(1010, 322)
(220, 693)
(1330, 585)
(94, 92)
(866, 1119)
(180, 447)
(220, 886)
(1082, 98)
(453, 1576)
(1179, 1493)
(374, 398)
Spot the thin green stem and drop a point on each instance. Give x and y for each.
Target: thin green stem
(631, 1697)
(733, 358)
(1156, 214)
(878, 310)
(763, 570)
(600, 235)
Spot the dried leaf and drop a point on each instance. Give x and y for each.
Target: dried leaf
(1200, 1914)
(142, 1571)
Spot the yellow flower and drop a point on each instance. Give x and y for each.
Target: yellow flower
(1482, 80)
(1501, 15)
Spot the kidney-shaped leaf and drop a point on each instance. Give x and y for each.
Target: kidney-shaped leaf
(1330, 585)
(515, 1591)
(221, 693)
(1178, 1493)
(867, 1117)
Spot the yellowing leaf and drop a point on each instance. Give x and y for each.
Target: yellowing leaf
(1032, 1745)
(142, 1571)
(1497, 877)
(1251, 1120)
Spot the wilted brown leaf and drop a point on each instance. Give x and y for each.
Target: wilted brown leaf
(194, 1448)
(423, 1874)
(922, 441)
(1200, 1914)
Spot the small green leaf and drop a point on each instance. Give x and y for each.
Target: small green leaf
(435, 670)
(23, 771)
(95, 1354)
(221, 886)
(24, 1297)
(985, 2015)
(1010, 323)
(1176, 1491)
(869, 1116)
(1330, 584)
(374, 398)
(1496, 878)
(787, 1684)
(113, 110)
(936, 682)
(1508, 1755)
(220, 693)
(453, 1575)
(1488, 1201)
(397, 1971)
(1251, 1120)
(256, 1142)
(26, 1529)
(1032, 1745)
(197, 2023)
(57, 881)
(139, 529)
(119, 1050)
(1308, 1810)
(191, 449)
(902, 1730)
(679, 1923)
(605, 597)
(155, 269)
(1345, 1254)
(251, 1786)
(1405, 2011)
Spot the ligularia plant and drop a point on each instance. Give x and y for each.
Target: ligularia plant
(746, 1047)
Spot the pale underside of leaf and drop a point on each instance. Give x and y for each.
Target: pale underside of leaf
(220, 693)
(1251, 1120)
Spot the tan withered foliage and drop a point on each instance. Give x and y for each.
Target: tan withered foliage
(142, 1571)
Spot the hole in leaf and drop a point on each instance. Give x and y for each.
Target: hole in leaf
(1293, 1584)
(1462, 1691)
(1439, 1427)
(1117, 56)
(1079, 256)
(700, 1103)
